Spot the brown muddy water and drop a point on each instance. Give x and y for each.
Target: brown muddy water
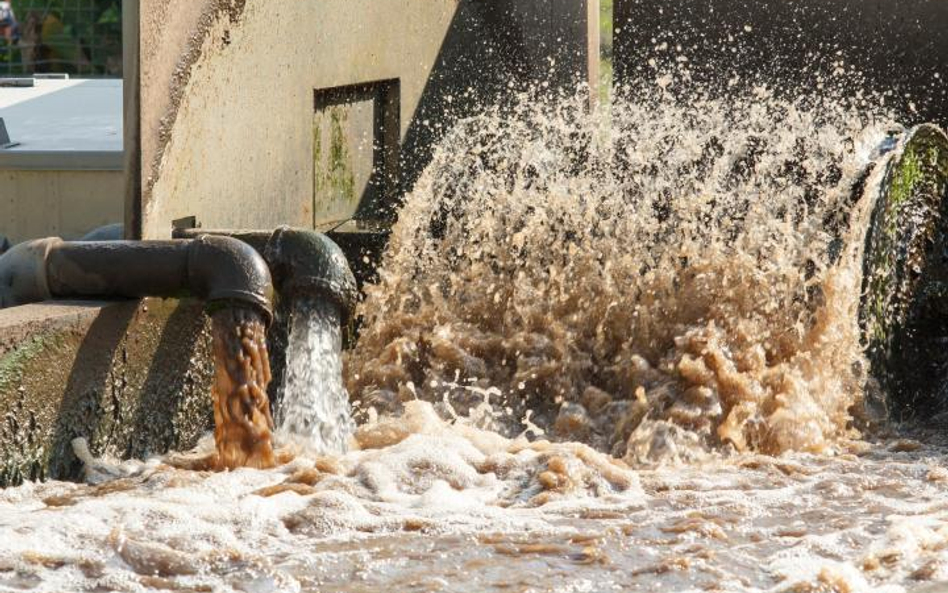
(609, 352)
(243, 424)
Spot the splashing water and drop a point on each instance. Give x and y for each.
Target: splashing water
(314, 408)
(665, 281)
(606, 353)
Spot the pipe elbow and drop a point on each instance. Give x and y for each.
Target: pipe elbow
(308, 262)
(222, 269)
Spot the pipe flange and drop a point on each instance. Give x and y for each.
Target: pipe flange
(23, 273)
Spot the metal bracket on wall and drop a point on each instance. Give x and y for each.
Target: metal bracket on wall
(184, 223)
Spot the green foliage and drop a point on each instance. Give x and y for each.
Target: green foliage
(82, 37)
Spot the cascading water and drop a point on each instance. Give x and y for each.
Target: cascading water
(314, 407)
(242, 422)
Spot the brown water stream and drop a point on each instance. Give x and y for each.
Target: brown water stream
(242, 419)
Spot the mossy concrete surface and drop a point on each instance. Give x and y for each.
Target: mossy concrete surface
(904, 312)
(133, 378)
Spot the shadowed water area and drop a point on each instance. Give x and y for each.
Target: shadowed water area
(607, 352)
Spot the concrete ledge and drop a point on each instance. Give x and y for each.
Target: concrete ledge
(133, 378)
(62, 160)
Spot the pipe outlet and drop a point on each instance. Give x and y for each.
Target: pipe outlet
(214, 269)
(23, 273)
(307, 262)
(301, 262)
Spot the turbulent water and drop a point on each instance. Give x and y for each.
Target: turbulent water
(431, 506)
(607, 352)
(661, 282)
(314, 407)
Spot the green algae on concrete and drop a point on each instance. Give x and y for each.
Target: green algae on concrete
(334, 182)
(887, 240)
(11, 363)
(906, 275)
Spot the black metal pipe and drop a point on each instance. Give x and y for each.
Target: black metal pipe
(301, 262)
(118, 269)
(214, 269)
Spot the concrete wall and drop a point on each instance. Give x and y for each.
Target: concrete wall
(62, 174)
(133, 378)
(900, 45)
(64, 204)
(255, 113)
